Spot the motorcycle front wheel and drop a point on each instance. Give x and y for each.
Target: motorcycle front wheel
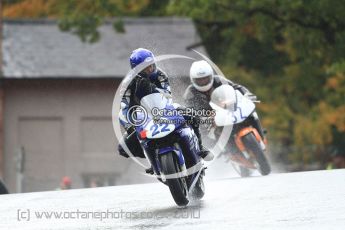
(253, 146)
(178, 186)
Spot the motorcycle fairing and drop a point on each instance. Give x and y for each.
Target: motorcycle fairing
(239, 109)
(169, 149)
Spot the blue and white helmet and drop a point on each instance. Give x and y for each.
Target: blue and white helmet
(141, 55)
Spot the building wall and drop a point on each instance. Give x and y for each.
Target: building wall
(64, 127)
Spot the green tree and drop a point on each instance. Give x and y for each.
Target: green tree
(289, 52)
(81, 17)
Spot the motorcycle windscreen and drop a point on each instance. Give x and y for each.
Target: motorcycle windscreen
(157, 130)
(224, 97)
(223, 116)
(223, 100)
(230, 105)
(154, 101)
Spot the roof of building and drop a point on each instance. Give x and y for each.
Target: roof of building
(38, 49)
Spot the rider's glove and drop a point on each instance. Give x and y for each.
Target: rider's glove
(144, 87)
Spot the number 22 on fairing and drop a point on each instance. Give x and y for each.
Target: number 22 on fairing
(159, 130)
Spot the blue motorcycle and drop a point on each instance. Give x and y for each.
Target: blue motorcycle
(171, 147)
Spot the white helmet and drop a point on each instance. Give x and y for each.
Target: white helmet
(201, 75)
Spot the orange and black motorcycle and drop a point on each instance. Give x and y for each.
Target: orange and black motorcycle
(246, 146)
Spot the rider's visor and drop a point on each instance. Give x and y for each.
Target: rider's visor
(203, 81)
(149, 69)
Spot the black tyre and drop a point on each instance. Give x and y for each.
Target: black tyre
(178, 186)
(3, 189)
(252, 145)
